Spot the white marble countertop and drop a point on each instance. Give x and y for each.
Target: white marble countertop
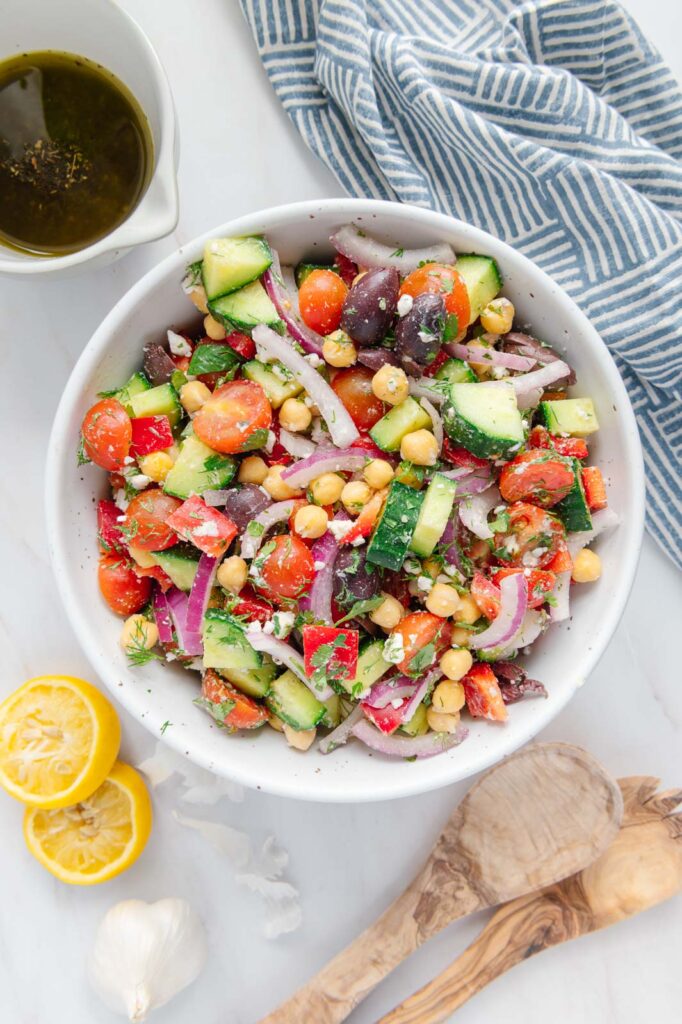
(239, 153)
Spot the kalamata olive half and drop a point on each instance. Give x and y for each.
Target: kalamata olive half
(354, 579)
(157, 364)
(370, 305)
(419, 334)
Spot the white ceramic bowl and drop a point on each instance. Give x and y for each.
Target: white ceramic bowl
(103, 32)
(563, 659)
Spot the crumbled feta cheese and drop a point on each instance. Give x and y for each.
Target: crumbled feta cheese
(281, 372)
(319, 565)
(314, 359)
(424, 584)
(254, 627)
(170, 656)
(412, 566)
(426, 337)
(283, 623)
(394, 649)
(178, 345)
(357, 542)
(512, 545)
(268, 627)
(120, 519)
(207, 529)
(120, 500)
(396, 702)
(405, 303)
(139, 481)
(128, 461)
(270, 442)
(340, 528)
(498, 372)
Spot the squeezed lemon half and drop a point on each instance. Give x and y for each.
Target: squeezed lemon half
(59, 738)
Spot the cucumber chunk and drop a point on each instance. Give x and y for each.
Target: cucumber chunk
(304, 270)
(244, 309)
(292, 701)
(332, 716)
(417, 725)
(575, 416)
(410, 474)
(160, 401)
(253, 682)
(433, 515)
(197, 469)
(400, 420)
(573, 510)
(180, 563)
(393, 533)
(484, 418)
(483, 280)
(456, 371)
(135, 386)
(226, 645)
(276, 381)
(371, 666)
(230, 263)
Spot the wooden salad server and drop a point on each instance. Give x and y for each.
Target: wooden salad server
(541, 815)
(642, 867)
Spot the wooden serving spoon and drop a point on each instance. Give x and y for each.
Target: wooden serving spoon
(544, 813)
(642, 867)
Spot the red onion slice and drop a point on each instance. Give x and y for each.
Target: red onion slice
(299, 447)
(472, 483)
(528, 384)
(368, 252)
(424, 387)
(341, 427)
(420, 692)
(277, 513)
(386, 691)
(188, 642)
(287, 655)
(474, 510)
(533, 625)
(407, 746)
(319, 599)
(560, 609)
(198, 599)
(287, 307)
(480, 354)
(436, 420)
(162, 616)
(342, 733)
(329, 460)
(504, 628)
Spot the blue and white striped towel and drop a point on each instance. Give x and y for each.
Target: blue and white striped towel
(553, 125)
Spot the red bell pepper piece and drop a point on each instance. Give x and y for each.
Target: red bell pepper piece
(150, 434)
(156, 573)
(386, 719)
(486, 595)
(242, 344)
(108, 528)
(228, 706)
(279, 456)
(434, 367)
(595, 489)
(330, 653)
(483, 694)
(562, 561)
(363, 525)
(251, 607)
(205, 527)
(364, 443)
(573, 447)
(459, 456)
(346, 269)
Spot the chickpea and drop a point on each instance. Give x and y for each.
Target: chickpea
(459, 636)
(295, 415)
(440, 722)
(327, 488)
(354, 496)
(378, 473)
(390, 384)
(299, 739)
(253, 470)
(276, 487)
(214, 330)
(193, 395)
(139, 633)
(232, 574)
(276, 723)
(443, 600)
(143, 558)
(586, 567)
(419, 447)
(156, 466)
(198, 296)
(431, 567)
(388, 614)
(468, 611)
(456, 664)
(448, 697)
(338, 350)
(498, 316)
(311, 522)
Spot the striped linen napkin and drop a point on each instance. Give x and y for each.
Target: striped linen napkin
(555, 126)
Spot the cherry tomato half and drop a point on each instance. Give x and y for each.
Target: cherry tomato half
(418, 630)
(145, 520)
(107, 433)
(124, 591)
(441, 280)
(234, 413)
(537, 476)
(354, 388)
(534, 537)
(320, 299)
(288, 570)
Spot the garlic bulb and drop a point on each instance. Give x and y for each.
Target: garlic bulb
(145, 953)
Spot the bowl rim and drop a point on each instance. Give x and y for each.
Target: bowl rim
(61, 442)
(161, 189)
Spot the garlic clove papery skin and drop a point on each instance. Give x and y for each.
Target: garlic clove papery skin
(145, 953)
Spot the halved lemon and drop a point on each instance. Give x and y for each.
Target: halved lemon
(96, 839)
(59, 737)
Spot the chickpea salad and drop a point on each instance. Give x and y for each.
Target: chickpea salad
(351, 498)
